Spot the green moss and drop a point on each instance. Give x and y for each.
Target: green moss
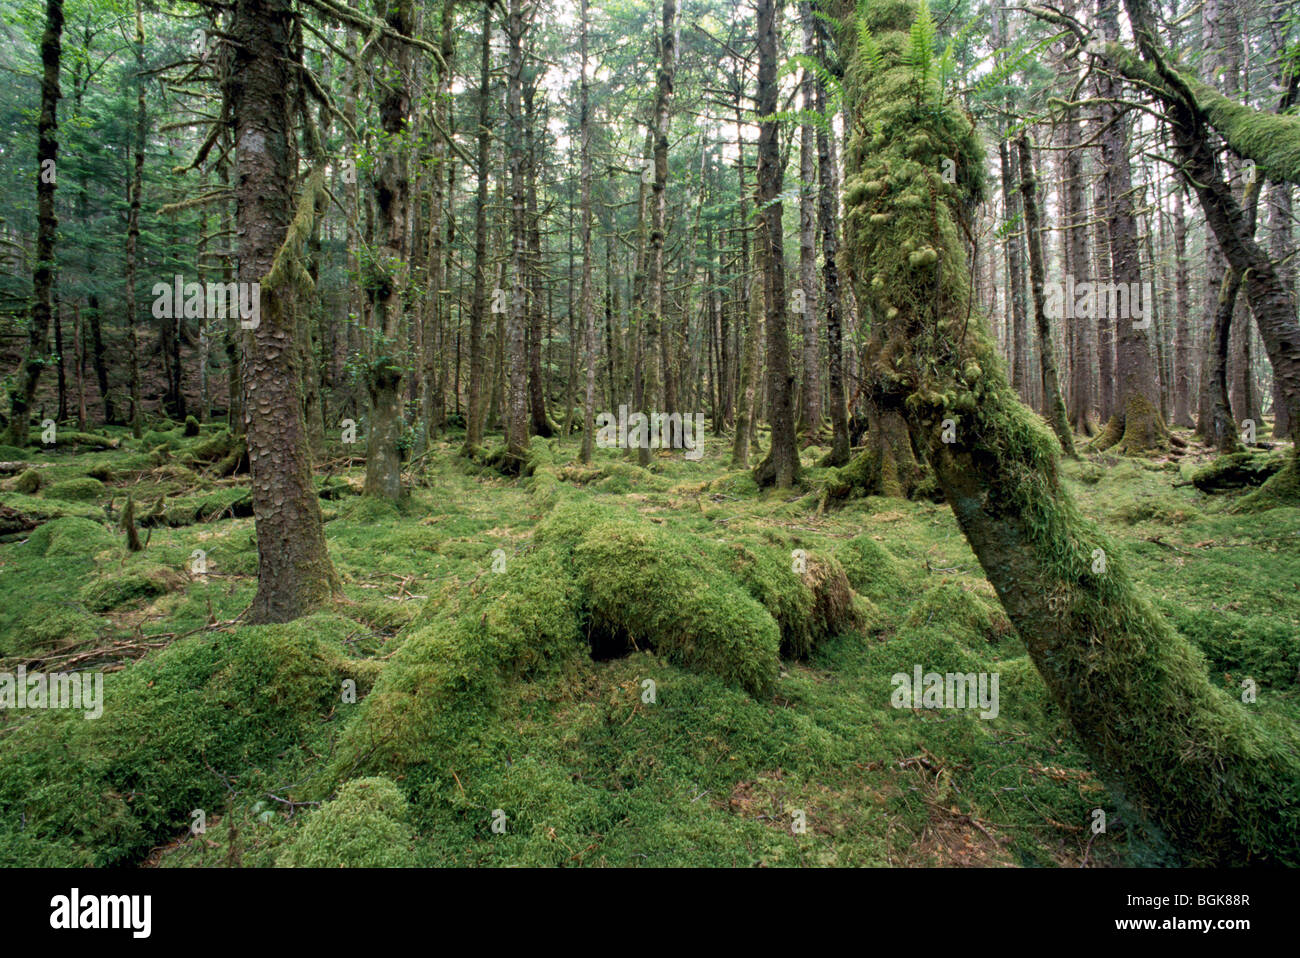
(45, 626)
(1237, 470)
(27, 482)
(76, 490)
(117, 588)
(438, 695)
(648, 588)
(1283, 489)
(870, 567)
(960, 613)
(70, 536)
(365, 826)
(179, 729)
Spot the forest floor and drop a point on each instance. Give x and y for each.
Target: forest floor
(574, 760)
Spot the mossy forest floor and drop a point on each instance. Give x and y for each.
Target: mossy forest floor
(518, 697)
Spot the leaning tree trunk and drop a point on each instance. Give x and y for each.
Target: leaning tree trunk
(1180, 751)
(47, 225)
(294, 572)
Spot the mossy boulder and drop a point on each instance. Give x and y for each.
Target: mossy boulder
(76, 490)
(365, 826)
(645, 587)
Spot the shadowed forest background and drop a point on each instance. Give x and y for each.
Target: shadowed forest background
(340, 338)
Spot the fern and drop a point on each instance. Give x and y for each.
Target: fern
(920, 52)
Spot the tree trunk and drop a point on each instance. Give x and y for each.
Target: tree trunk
(781, 466)
(391, 269)
(1052, 399)
(1182, 326)
(828, 220)
(1078, 264)
(47, 226)
(1180, 751)
(294, 573)
(479, 303)
(1136, 426)
(810, 399)
(585, 298)
(517, 318)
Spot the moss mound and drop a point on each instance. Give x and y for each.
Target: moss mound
(870, 567)
(27, 482)
(178, 730)
(122, 587)
(808, 594)
(960, 613)
(70, 536)
(76, 490)
(365, 826)
(647, 588)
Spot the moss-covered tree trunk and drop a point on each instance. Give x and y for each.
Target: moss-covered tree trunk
(391, 269)
(1182, 752)
(23, 392)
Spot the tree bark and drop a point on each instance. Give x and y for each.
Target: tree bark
(294, 573)
(1052, 399)
(47, 226)
(781, 466)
